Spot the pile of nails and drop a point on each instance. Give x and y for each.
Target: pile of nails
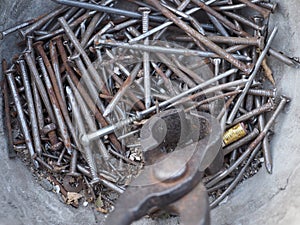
(93, 72)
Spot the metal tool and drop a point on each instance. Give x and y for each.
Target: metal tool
(177, 149)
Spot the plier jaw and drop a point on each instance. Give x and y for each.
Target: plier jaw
(178, 148)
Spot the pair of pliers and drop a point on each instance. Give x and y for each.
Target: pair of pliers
(177, 149)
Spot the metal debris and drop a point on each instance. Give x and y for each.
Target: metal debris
(90, 91)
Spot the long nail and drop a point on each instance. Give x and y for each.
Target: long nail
(93, 72)
(40, 85)
(146, 64)
(42, 21)
(57, 111)
(285, 59)
(31, 109)
(55, 66)
(210, 90)
(21, 116)
(61, 30)
(214, 98)
(237, 179)
(265, 147)
(15, 28)
(5, 92)
(88, 118)
(183, 94)
(165, 50)
(106, 9)
(88, 82)
(252, 76)
(80, 125)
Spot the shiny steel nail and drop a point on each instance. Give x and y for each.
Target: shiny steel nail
(165, 50)
(252, 76)
(107, 9)
(88, 82)
(81, 129)
(7, 116)
(265, 147)
(31, 109)
(146, 57)
(88, 118)
(21, 116)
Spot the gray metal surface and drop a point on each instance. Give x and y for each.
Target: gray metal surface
(263, 199)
